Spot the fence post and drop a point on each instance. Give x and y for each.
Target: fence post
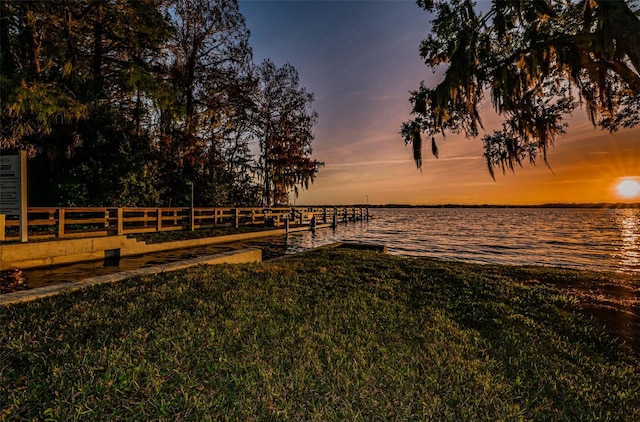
(324, 215)
(2, 219)
(120, 222)
(159, 215)
(237, 216)
(335, 218)
(61, 223)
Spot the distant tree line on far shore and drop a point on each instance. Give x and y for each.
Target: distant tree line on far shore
(596, 205)
(125, 103)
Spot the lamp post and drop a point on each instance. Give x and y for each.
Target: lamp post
(191, 212)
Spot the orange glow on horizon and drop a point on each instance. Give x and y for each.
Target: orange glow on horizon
(362, 86)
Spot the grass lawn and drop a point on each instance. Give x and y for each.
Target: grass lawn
(324, 335)
(171, 236)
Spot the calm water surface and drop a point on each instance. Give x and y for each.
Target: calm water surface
(601, 239)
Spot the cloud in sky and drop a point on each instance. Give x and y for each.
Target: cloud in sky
(360, 59)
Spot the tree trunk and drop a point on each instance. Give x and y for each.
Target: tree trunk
(190, 82)
(96, 67)
(33, 43)
(6, 63)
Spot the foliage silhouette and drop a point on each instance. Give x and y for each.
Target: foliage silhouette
(538, 60)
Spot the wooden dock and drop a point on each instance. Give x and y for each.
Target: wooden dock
(75, 222)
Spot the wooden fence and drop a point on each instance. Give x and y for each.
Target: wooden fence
(60, 223)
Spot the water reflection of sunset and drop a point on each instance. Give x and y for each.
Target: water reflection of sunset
(629, 224)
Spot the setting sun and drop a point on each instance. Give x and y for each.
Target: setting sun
(628, 188)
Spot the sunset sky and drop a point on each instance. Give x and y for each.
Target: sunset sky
(360, 59)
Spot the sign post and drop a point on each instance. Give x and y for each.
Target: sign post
(13, 189)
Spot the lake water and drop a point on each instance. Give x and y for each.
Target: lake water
(600, 239)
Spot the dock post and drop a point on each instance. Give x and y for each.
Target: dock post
(61, 223)
(286, 225)
(335, 218)
(119, 222)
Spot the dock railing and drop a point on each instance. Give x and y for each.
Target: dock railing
(76, 222)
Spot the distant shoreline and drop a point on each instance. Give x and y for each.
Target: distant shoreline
(605, 205)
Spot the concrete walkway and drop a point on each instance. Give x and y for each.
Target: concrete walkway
(231, 257)
(239, 256)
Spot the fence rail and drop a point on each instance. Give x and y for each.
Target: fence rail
(70, 222)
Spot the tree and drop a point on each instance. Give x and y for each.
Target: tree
(208, 60)
(33, 102)
(284, 123)
(78, 101)
(131, 100)
(539, 60)
(117, 44)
